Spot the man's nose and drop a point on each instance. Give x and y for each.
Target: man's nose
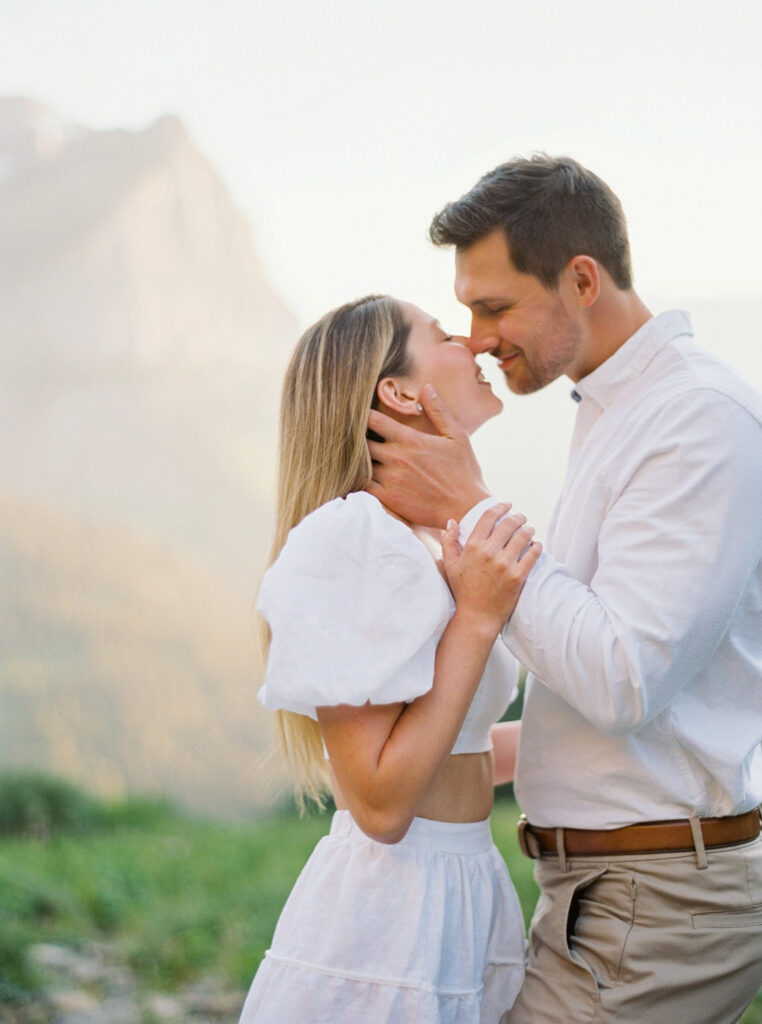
(480, 340)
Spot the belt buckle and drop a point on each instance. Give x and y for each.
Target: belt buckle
(527, 842)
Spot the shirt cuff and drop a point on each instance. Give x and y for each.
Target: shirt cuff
(472, 517)
(517, 631)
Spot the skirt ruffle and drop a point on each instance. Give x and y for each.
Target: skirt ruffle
(428, 930)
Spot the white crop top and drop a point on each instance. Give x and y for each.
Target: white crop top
(356, 607)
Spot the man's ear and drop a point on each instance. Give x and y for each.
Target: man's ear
(585, 277)
(397, 396)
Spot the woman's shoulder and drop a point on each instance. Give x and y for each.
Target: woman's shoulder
(356, 607)
(352, 550)
(355, 526)
(356, 509)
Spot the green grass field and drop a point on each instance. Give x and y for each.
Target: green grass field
(182, 898)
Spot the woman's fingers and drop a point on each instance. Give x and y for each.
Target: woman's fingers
(488, 522)
(520, 539)
(506, 527)
(525, 560)
(450, 544)
(530, 556)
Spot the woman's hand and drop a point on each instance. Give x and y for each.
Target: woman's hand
(487, 576)
(384, 757)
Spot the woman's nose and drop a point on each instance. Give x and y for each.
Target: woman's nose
(462, 340)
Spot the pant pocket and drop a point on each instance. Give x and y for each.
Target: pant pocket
(552, 931)
(748, 917)
(601, 917)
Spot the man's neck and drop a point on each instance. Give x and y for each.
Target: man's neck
(614, 318)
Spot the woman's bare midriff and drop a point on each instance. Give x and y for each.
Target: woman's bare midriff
(462, 790)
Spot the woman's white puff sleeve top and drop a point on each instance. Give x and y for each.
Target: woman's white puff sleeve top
(356, 607)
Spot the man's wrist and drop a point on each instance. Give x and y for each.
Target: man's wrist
(472, 517)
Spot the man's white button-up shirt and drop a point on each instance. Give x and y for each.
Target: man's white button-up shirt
(641, 624)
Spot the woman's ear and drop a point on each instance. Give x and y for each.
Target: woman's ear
(397, 396)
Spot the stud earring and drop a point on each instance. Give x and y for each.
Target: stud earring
(419, 407)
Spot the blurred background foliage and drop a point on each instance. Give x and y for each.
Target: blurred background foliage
(178, 896)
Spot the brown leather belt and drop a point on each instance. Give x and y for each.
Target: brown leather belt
(647, 837)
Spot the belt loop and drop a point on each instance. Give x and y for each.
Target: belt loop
(527, 840)
(561, 849)
(698, 842)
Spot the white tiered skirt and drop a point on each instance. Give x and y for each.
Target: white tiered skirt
(427, 931)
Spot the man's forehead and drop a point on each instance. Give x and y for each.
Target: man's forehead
(481, 284)
(484, 272)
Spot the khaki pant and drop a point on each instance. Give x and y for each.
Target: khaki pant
(650, 938)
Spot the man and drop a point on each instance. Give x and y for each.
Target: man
(640, 766)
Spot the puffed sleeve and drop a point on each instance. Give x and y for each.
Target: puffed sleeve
(356, 608)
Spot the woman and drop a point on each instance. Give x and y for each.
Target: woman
(387, 682)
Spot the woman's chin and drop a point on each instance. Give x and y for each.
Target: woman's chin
(486, 415)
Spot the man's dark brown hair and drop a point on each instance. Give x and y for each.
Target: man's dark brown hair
(550, 209)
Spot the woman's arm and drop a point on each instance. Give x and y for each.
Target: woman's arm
(505, 745)
(384, 757)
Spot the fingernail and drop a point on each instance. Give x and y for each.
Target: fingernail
(451, 523)
(429, 391)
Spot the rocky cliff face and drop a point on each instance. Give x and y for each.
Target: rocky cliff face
(122, 249)
(141, 348)
(141, 353)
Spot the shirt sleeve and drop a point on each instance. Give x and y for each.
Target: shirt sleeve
(472, 517)
(356, 608)
(676, 551)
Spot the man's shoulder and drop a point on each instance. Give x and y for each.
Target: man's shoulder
(700, 379)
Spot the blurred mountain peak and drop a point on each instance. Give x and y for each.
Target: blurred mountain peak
(137, 327)
(141, 353)
(124, 249)
(30, 132)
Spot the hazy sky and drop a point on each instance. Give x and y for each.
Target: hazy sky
(341, 126)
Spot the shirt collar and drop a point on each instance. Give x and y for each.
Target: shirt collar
(630, 359)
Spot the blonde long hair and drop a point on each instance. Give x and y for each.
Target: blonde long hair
(329, 388)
